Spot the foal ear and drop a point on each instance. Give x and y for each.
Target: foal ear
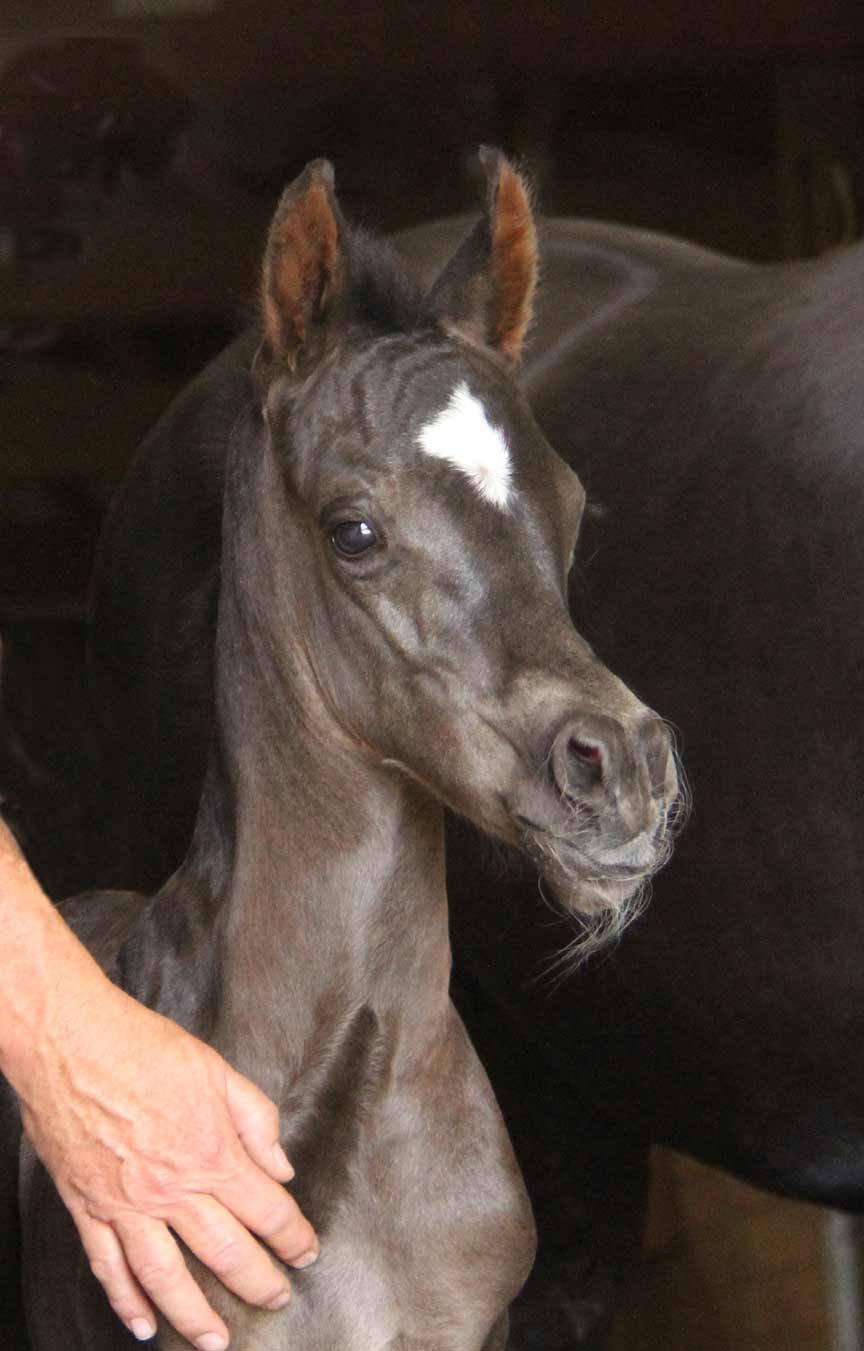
(305, 271)
(486, 291)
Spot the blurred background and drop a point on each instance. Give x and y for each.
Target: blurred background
(142, 146)
(143, 143)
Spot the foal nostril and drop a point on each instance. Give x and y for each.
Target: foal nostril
(587, 759)
(583, 754)
(619, 780)
(585, 750)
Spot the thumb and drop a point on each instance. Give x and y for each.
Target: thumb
(256, 1120)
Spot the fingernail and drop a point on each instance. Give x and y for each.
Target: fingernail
(280, 1301)
(305, 1261)
(281, 1160)
(142, 1330)
(211, 1341)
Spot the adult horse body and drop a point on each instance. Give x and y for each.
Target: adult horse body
(715, 413)
(714, 410)
(392, 523)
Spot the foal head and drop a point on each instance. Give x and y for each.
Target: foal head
(426, 530)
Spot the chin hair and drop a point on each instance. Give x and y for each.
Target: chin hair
(599, 910)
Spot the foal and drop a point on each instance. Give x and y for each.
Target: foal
(392, 637)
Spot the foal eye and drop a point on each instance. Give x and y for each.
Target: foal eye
(352, 538)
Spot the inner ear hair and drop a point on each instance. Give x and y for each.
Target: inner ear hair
(485, 293)
(514, 256)
(304, 264)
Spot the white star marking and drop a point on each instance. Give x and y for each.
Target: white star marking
(463, 435)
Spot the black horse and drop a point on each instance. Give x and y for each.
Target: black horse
(392, 637)
(713, 410)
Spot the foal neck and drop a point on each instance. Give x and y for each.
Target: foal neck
(330, 895)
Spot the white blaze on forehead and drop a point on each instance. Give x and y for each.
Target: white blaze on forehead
(463, 435)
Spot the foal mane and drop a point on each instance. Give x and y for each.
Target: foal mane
(382, 295)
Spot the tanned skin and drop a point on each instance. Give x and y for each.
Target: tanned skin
(169, 1135)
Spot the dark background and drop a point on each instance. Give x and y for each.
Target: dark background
(143, 142)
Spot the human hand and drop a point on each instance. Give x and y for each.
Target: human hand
(144, 1130)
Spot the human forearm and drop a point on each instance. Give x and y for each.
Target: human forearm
(45, 973)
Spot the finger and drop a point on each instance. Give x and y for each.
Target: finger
(157, 1264)
(230, 1251)
(111, 1270)
(256, 1120)
(272, 1213)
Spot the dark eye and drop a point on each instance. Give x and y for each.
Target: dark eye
(352, 538)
